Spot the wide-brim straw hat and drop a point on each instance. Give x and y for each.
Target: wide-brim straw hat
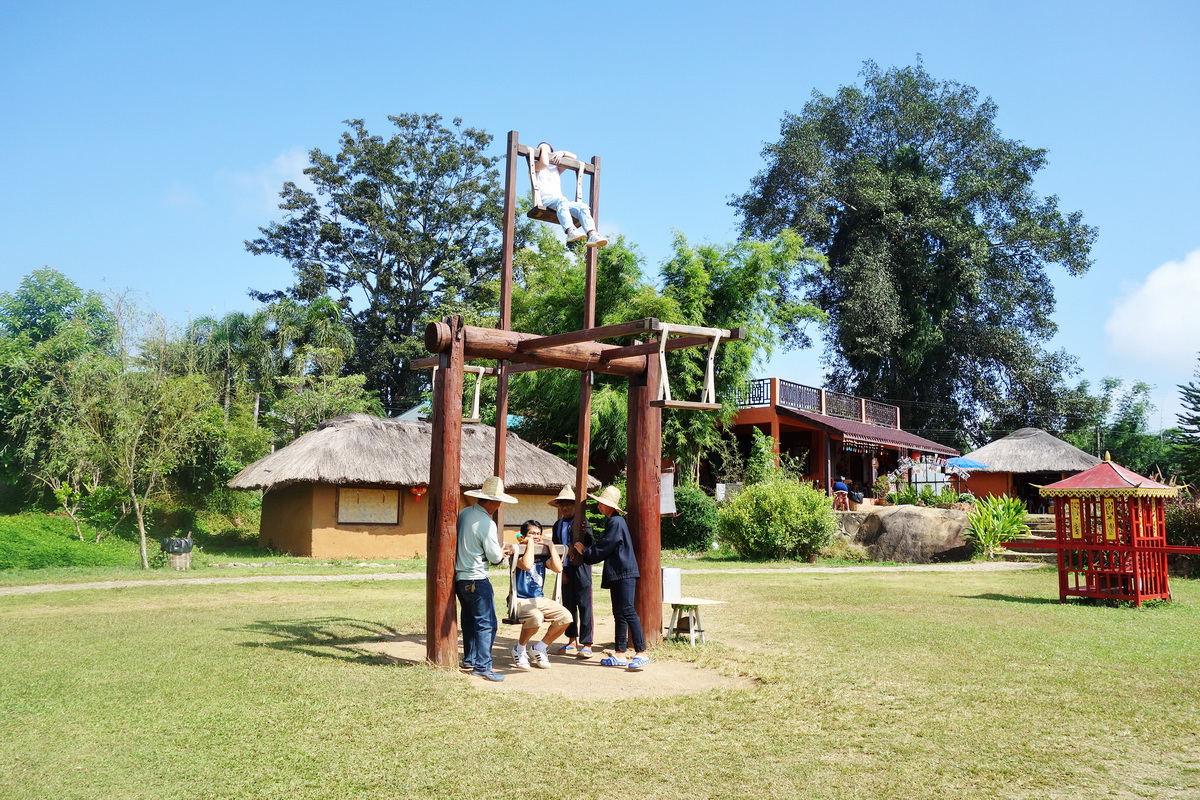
(492, 489)
(609, 496)
(566, 494)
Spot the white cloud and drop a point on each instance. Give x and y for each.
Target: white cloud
(1159, 321)
(257, 192)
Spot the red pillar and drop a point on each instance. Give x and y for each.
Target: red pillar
(441, 632)
(643, 486)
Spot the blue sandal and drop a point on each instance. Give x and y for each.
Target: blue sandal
(613, 661)
(565, 650)
(638, 662)
(584, 652)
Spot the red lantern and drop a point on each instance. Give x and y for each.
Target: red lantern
(419, 491)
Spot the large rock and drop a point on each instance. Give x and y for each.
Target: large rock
(910, 534)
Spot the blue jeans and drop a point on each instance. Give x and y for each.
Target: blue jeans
(625, 616)
(563, 207)
(477, 618)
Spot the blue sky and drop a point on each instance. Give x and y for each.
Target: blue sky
(143, 142)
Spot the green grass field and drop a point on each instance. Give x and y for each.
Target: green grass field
(888, 685)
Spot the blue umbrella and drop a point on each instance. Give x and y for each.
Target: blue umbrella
(965, 463)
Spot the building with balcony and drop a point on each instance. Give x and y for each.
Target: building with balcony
(829, 433)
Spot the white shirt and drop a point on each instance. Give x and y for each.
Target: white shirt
(549, 182)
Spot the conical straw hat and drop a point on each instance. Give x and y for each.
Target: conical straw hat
(566, 493)
(609, 496)
(492, 489)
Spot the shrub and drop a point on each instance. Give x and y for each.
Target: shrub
(695, 526)
(36, 541)
(842, 549)
(760, 466)
(778, 518)
(994, 521)
(906, 495)
(1183, 524)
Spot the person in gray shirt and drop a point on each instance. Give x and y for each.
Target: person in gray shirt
(477, 549)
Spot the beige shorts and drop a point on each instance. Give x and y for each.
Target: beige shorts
(533, 611)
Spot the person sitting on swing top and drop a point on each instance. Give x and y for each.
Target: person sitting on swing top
(548, 171)
(532, 606)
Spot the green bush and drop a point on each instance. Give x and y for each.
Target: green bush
(35, 541)
(778, 518)
(1183, 521)
(695, 526)
(994, 521)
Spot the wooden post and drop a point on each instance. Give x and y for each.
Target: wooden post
(441, 632)
(643, 486)
(505, 322)
(583, 449)
(826, 456)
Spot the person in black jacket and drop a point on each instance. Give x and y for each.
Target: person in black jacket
(620, 577)
(576, 578)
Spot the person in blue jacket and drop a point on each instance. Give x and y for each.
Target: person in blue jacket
(576, 578)
(620, 577)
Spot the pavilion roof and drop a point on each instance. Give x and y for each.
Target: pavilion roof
(1108, 479)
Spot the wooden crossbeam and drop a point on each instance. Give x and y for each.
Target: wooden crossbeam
(430, 362)
(683, 343)
(696, 330)
(489, 343)
(589, 334)
(569, 163)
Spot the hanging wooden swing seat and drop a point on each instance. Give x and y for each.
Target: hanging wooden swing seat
(539, 211)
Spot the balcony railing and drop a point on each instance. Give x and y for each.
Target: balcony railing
(775, 391)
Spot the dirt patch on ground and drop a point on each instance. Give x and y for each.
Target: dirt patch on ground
(577, 679)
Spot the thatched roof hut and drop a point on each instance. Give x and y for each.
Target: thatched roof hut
(360, 448)
(354, 486)
(1021, 462)
(1032, 450)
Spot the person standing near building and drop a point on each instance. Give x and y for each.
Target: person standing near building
(477, 548)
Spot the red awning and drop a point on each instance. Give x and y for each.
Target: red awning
(864, 433)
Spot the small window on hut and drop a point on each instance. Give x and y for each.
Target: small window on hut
(368, 506)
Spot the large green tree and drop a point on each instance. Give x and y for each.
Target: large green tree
(1123, 429)
(936, 285)
(400, 231)
(1185, 441)
(46, 324)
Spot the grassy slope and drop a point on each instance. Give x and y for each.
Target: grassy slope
(899, 686)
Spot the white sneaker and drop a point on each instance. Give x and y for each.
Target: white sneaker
(521, 659)
(596, 240)
(541, 659)
(575, 234)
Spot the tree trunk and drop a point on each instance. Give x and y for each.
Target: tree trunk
(137, 510)
(257, 396)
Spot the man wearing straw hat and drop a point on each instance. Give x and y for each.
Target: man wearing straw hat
(477, 548)
(576, 578)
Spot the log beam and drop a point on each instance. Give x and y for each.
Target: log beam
(500, 345)
(588, 334)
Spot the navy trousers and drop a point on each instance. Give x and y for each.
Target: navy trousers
(627, 622)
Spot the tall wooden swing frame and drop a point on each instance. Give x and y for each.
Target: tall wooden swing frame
(455, 343)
